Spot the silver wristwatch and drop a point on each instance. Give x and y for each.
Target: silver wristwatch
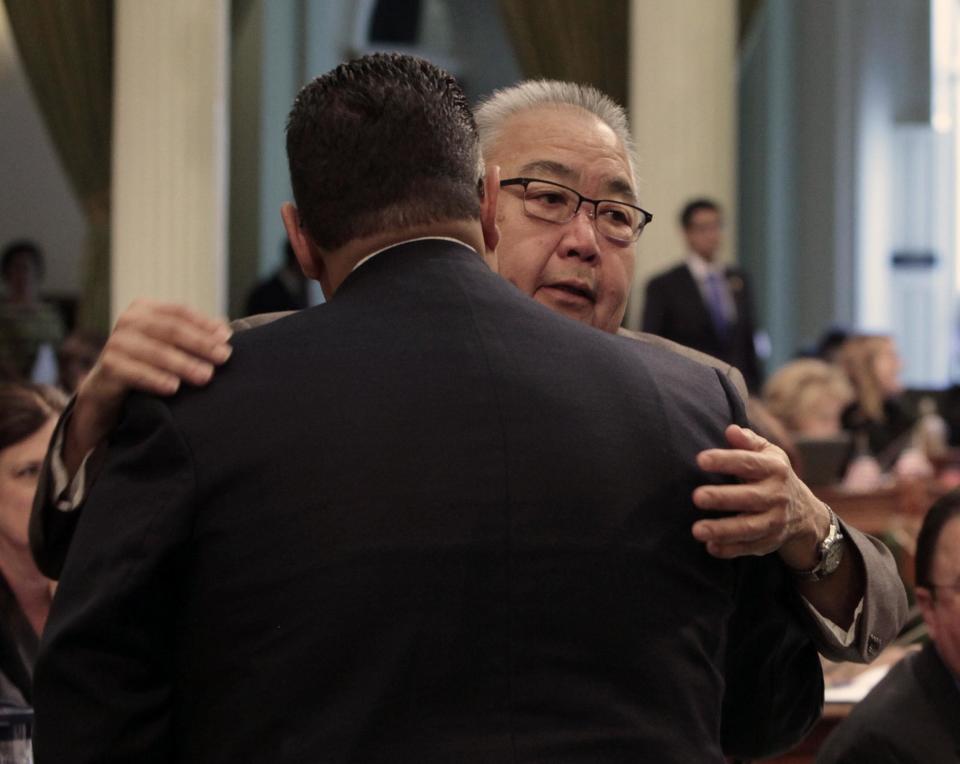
(831, 553)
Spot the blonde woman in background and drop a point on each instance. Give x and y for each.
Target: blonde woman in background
(878, 416)
(809, 397)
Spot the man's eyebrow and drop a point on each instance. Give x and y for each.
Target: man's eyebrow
(621, 187)
(548, 167)
(615, 186)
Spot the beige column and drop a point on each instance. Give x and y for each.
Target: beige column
(683, 97)
(170, 152)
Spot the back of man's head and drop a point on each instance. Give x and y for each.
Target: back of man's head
(383, 142)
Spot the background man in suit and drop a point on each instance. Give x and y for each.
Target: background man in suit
(913, 715)
(702, 304)
(462, 566)
(575, 271)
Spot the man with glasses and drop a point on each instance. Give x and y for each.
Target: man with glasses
(568, 219)
(913, 715)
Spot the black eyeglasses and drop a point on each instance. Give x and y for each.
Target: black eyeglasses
(954, 587)
(556, 203)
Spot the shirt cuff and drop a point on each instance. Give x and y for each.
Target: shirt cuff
(830, 629)
(67, 494)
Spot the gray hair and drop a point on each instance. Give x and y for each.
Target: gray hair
(493, 112)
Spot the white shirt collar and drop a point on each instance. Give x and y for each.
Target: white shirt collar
(408, 241)
(701, 269)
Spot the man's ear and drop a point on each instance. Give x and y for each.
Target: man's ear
(488, 209)
(304, 248)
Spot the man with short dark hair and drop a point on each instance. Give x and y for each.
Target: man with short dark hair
(700, 302)
(385, 534)
(913, 715)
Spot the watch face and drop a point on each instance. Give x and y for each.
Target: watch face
(831, 559)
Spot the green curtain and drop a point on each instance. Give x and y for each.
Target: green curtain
(66, 48)
(577, 40)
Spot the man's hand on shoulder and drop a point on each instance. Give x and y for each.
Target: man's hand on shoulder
(777, 512)
(153, 348)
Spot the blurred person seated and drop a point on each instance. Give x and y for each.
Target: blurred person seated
(829, 344)
(764, 423)
(913, 714)
(28, 414)
(809, 396)
(76, 357)
(286, 289)
(30, 329)
(883, 425)
(878, 413)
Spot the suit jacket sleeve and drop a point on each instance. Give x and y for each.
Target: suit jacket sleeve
(774, 680)
(51, 529)
(104, 676)
(884, 603)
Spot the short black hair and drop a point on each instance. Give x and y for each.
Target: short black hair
(694, 206)
(944, 509)
(19, 247)
(384, 141)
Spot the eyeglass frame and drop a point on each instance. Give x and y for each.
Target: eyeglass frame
(954, 587)
(647, 216)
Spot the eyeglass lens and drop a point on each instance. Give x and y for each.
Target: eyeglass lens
(558, 205)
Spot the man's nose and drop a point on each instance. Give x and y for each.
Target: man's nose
(580, 236)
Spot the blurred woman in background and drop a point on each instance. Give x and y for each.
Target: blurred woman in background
(878, 417)
(809, 396)
(28, 414)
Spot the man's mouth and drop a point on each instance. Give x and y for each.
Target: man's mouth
(574, 288)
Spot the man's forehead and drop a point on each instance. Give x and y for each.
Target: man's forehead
(564, 143)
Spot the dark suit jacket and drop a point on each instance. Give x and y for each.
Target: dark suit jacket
(674, 308)
(911, 717)
(384, 534)
(774, 682)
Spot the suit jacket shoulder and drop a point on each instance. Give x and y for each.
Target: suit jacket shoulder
(731, 372)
